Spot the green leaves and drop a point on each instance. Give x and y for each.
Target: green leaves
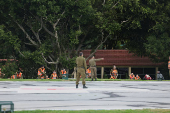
(10, 68)
(60, 27)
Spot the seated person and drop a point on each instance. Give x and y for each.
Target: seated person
(54, 75)
(14, 76)
(113, 73)
(88, 72)
(41, 73)
(131, 76)
(19, 75)
(160, 76)
(62, 72)
(137, 77)
(47, 77)
(147, 77)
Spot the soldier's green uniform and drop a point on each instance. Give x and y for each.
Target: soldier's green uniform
(81, 68)
(92, 64)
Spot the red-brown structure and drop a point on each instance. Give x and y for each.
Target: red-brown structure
(121, 58)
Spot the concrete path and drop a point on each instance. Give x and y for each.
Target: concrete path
(100, 95)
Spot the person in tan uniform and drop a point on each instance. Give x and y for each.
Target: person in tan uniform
(81, 69)
(92, 64)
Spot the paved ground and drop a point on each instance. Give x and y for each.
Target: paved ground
(100, 95)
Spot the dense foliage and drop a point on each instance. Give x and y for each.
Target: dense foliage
(51, 33)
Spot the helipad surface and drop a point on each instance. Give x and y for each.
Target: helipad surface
(107, 95)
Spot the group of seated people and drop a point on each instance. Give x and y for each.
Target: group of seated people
(17, 75)
(133, 77)
(113, 74)
(42, 74)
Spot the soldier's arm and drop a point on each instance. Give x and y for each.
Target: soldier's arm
(85, 66)
(98, 59)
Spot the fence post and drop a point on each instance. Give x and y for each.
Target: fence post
(129, 70)
(156, 70)
(102, 72)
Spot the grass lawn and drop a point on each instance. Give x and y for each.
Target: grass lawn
(100, 111)
(73, 80)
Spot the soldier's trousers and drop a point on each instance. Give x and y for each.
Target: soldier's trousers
(80, 71)
(93, 72)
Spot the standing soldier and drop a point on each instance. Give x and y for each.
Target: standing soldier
(81, 68)
(92, 64)
(113, 73)
(54, 75)
(1, 74)
(41, 73)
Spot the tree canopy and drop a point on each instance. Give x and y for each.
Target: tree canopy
(51, 33)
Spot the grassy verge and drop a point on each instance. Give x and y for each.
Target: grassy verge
(101, 111)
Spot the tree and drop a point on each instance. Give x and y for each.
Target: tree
(51, 33)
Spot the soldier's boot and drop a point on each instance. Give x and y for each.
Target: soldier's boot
(95, 79)
(84, 86)
(76, 86)
(92, 79)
